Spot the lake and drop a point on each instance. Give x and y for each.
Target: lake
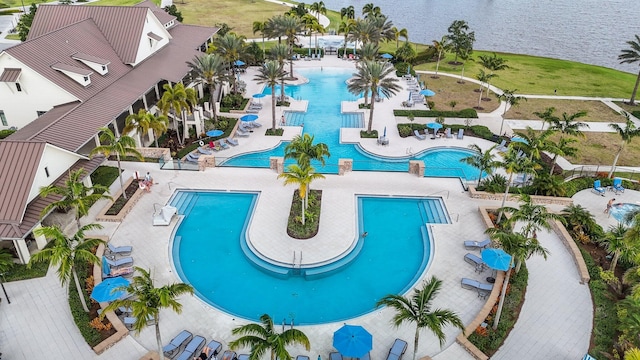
(588, 31)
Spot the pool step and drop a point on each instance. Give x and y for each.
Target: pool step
(295, 118)
(352, 120)
(432, 212)
(185, 201)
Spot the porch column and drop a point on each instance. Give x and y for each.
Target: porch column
(41, 241)
(22, 250)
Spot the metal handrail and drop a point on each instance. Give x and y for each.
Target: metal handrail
(438, 192)
(456, 214)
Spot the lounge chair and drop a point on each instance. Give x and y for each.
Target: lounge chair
(252, 111)
(126, 261)
(193, 348)
(192, 157)
(447, 133)
(232, 141)
(254, 124)
(243, 356)
(597, 188)
(129, 321)
(397, 349)
(482, 289)
(171, 349)
(475, 261)
(617, 185)
(335, 356)
(242, 133)
(470, 244)
(215, 347)
(223, 144)
(302, 357)
(124, 272)
(460, 134)
(205, 150)
(119, 250)
(418, 135)
(229, 355)
(503, 145)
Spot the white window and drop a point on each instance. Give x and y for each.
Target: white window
(18, 87)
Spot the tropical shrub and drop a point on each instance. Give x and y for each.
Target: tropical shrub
(404, 130)
(495, 183)
(464, 113)
(402, 67)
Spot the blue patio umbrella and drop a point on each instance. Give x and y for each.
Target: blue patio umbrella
(214, 133)
(434, 125)
(519, 139)
(106, 290)
(386, 56)
(238, 63)
(250, 117)
(352, 341)
(496, 259)
(427, 92)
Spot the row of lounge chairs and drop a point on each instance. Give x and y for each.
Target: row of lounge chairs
(254, 108)
(616, 187)
(246, 128)
(483, 289)
(447, 134)
(117, 266)
(185, 346)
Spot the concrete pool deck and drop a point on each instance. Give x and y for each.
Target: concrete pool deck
(555, 321)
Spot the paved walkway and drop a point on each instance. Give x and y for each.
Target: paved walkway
(40, 314)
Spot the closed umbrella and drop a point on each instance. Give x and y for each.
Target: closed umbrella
(106, 290)
(352, 341)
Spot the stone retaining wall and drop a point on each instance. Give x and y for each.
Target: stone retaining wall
(158, 153)
(125, 210)
(536, 199)
(573, 249)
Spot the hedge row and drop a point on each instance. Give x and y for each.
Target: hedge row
(464, 113)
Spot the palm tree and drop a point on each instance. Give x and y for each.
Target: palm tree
(122, 146)
(144, 121)
(632, 354)
(620, 244)
(482, 160)
(511, 100)
(345, 28)
(374, 76)
(270, 73)
(231, 47)
(463, 55)
(174, 100)
(263, 337)
(209, 71)
(567, 124)
(369, 51)
(347, 12)
(517, 245)
(159, 125)
(535, 217)
(66, 253)
(401, 33)
(484, 78)
(627, 133)
(302, 149)
(492, 63)
(441, 48)
(579, 219)
(259, 26)
(312, 25)
(302, 176)
(535, 142)
(273, 28)
(370, 10)
(630, 56)
(418, 310)
(561, 148)
(292, 26)
(319, 8)
(280, 52)
(512, 163)
(147, 300)
(75, 195)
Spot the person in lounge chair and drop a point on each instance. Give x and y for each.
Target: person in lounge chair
(204, 355)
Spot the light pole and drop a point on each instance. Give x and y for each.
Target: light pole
(23, 8)
(3, 289)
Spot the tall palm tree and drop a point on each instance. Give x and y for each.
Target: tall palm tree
(144, 121)
(259, 26)
(302, 149)
(318, 7)
(627, 133)
(273, 28)
(369, 10)
(418, 310)
(270, 73)
(174, 101)
(492, 63)
(364, 31)
(122, 146)
(345, 28)
(209, 71)
(534, 216)
(400, 33)
(67, 252)
(484, 78)
(511, 100)
(231, 47)
(302, 176)
(535, 142)
(374, 76)
(441, 48)
(463, 55)
(75, 195)
(292, 26)
(159, 125)
(517, 245)
(263, 337)
(347, 12)
(369, 52)
(630, 56)
(512, 163)
(147, 300)
(280, 52)
(561, 148)
(482, 160)
(312, 25)
(567, 124)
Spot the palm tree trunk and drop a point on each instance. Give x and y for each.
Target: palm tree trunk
(273, 108)
(79, 288)
(155, 138)
(373, 100)
(213, 105)
(488, 89)
(502, 294)
(615, 161)
(461, 75)
(614, 261)
(635, 90)
(290, 62)
(480, 98)
(124, 193)
(282, 88)
(504, 199)
(302, 206)
(415, 343)
(553, 164)
(479, 178)
(158, 337)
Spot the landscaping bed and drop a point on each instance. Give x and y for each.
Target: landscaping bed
(295, 229)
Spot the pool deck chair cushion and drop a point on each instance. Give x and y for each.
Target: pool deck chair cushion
(229, 355)
(397, 349)
(335, 356)
(215, 347)
(176, 343)
(120, 250)
(193, 348)
(470, 244)
(482, 289)
(475, 261)
(617, 185)
(597, 188)
(126, 261)
(302, 357)
(460, 134)
(243, 357)
(418, 135)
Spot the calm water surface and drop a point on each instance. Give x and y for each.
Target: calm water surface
(588, 31)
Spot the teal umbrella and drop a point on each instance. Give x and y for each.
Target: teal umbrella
(352, 341)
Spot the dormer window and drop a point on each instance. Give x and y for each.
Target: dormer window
(12, 75)
(79, 75)
(153, 38)
(95, 63)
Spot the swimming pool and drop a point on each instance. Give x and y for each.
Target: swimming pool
(325, 91)
(207, 254)
(619, 210)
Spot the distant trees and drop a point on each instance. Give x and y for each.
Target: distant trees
(24, 24)
(173, 10)
(461, 38)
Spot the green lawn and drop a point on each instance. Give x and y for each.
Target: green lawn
(119, 2)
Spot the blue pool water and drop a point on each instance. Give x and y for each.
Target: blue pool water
(619, 210)
(207, 254)
(325, 92)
